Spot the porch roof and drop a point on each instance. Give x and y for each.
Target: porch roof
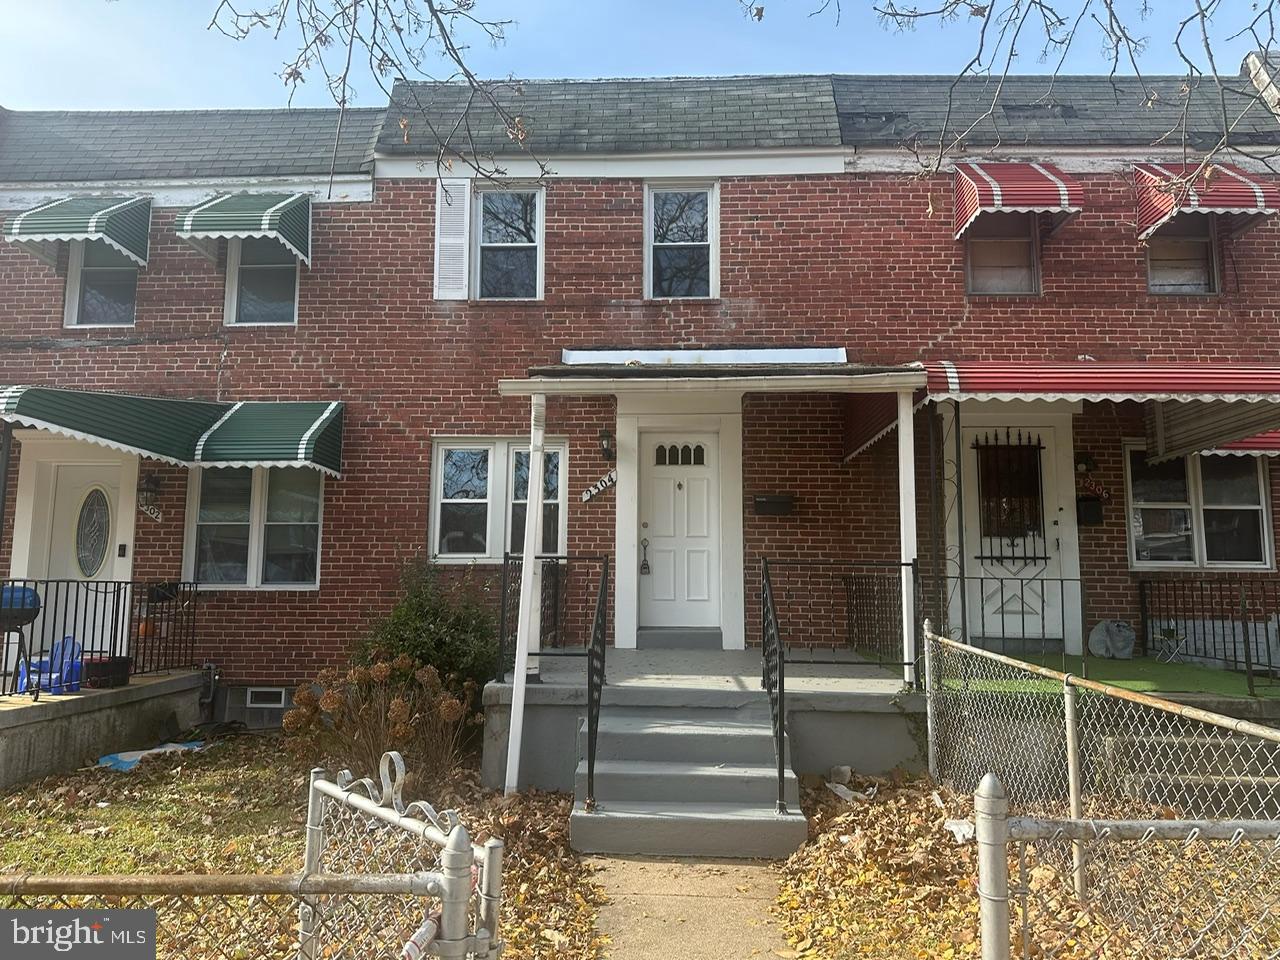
(186, 432)
(608, 378)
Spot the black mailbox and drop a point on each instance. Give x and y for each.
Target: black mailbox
(1088, 511)
(774, 504)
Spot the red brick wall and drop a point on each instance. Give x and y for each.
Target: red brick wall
(858, 261)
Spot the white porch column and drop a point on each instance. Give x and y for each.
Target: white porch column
(529, 626)
(907, 527)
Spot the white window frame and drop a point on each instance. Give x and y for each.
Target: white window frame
(1215, 272)
(277, 693)
(501, 463)
(712, 189)
(1196, 505)
(71, 293)
(231, 301)
(477, 235)
(1037, 284)
(257, 534)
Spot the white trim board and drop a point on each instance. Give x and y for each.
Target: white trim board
(769, 356)
(347, 188)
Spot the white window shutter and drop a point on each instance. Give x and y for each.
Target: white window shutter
(453, 239)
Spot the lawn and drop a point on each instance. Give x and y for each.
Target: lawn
(1149, 675)
(239, 807)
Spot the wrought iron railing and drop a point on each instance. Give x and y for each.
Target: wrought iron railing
(566, 605)
(1028, 616)
(842, 611)
(595, 678)
(61, 635)
(774, 677)
(1230, 621)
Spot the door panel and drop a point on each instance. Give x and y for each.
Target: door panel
(1012, 521)
(679, 531)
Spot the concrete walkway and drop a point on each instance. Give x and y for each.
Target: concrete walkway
(688, 909)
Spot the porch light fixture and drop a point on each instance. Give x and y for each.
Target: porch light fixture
(149, 486)
(607, 448)
(1085, 462)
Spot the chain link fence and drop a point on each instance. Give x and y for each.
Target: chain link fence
(1145, 828)
(380, 879)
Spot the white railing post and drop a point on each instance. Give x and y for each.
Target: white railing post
(1074, 783)
(991, 822)
(931, 724)
(907, 529)
(455, 866)
(308, 942)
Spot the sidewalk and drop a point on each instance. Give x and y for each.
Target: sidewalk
(690, 909)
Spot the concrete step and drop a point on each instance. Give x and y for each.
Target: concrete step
(724, 738)
(679, 638)
(679, 783)
(664, 828)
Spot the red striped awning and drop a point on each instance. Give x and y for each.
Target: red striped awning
(1014, 188)
(1242, 198)
(1260, 443)
(1092, 380)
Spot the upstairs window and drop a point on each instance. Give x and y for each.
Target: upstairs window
(102, 286)
(1002, 254)
(509, 245)
(682, 240)
(1182, 256)
(1199, 511)
(262, 283)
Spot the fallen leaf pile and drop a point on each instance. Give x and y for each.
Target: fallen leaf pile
(240, 806)
(884, 875)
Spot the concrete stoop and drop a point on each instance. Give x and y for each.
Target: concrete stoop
(702, 784)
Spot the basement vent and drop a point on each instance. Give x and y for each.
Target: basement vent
(265, 697)
(1039, 111)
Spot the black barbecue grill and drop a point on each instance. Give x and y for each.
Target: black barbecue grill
(19, 607)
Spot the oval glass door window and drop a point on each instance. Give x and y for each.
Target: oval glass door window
(93, 533)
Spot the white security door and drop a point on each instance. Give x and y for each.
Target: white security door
(679, 531)
(81, 601)
(1013, 537)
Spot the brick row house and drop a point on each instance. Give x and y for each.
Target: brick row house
(234, 355)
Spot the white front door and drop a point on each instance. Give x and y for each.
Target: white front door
(679, 530)
(1013, 536)
(81, 601)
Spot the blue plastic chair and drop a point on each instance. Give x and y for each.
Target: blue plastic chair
(57, 673)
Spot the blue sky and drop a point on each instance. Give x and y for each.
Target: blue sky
(133, 54)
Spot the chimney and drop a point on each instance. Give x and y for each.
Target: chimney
(1261, 67)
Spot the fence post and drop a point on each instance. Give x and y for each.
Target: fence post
(931, 727)
(313, 846)
(455, 864)
(991, 821)
(1074, 783)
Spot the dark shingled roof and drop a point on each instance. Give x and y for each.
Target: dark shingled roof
(1068, 111)
(47, 145)
(622, 116)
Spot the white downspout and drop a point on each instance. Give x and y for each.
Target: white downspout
(907, 527)
(530, 622)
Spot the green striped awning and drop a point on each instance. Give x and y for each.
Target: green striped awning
(123, 223)
(285, 217)
(187, 432)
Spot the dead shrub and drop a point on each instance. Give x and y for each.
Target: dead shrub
(353, 717)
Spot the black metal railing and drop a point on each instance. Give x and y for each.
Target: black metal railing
(1035, 616)
(61, 635)
(849, 609)
(1230, 621)
(565, 605)
(595, 678)
(773, 677)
